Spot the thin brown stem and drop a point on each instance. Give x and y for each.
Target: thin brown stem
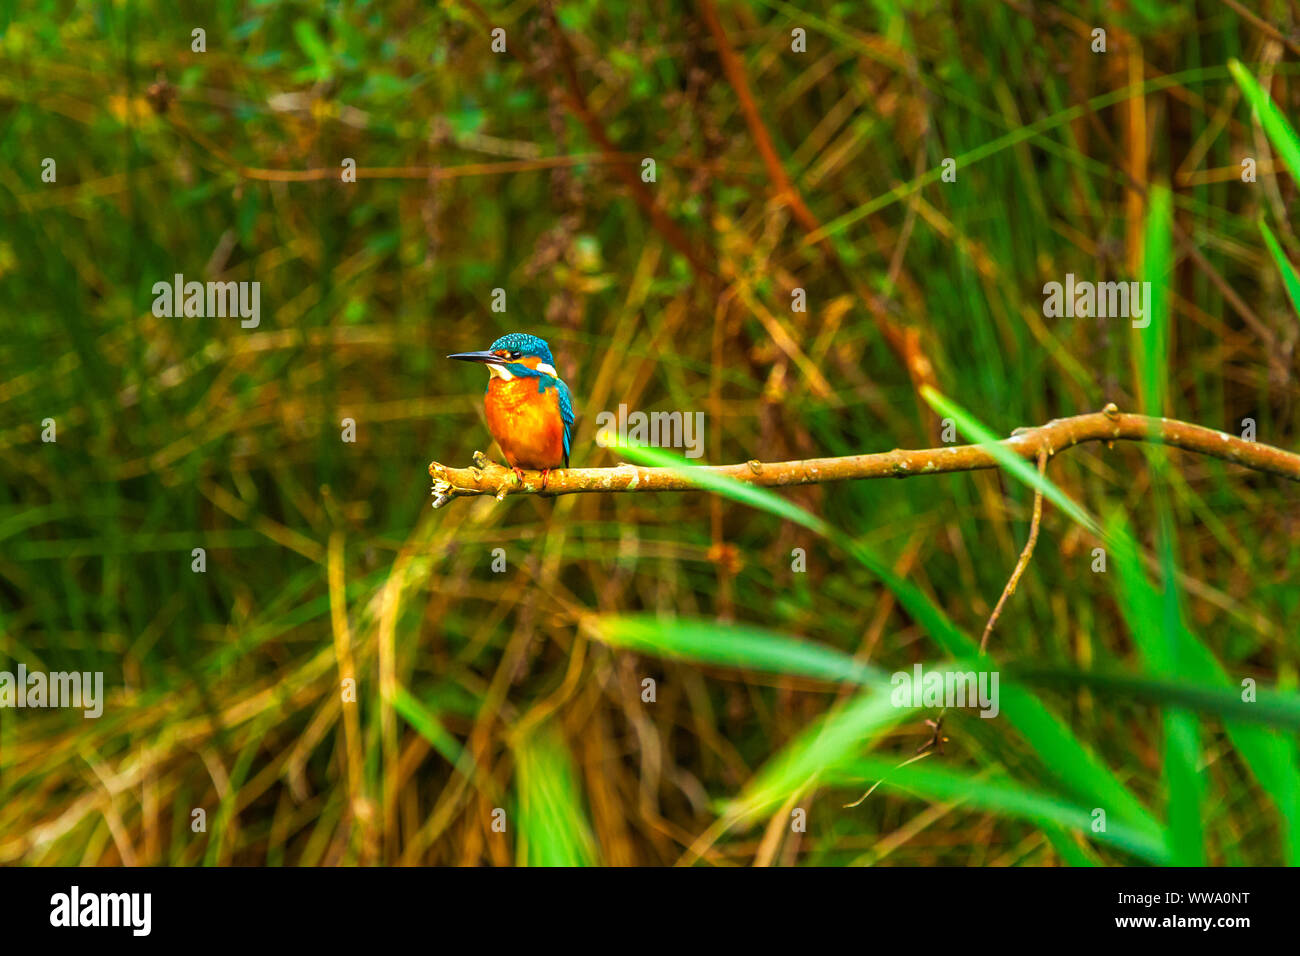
(1025, 555)
(464, 170)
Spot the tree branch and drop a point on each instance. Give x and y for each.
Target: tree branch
(489, 478)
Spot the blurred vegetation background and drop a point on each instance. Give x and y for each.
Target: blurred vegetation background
(499, 717)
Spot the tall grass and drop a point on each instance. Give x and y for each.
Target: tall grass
(524, 690)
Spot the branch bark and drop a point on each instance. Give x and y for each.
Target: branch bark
(1108, 425)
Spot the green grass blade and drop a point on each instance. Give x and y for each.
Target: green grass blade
(1272, 709)
(553, 825)
(1290, 278)
(1161, 632)
(817, 751)
(732, 645)
(427, 725)
(1152, 336)
(1280, 132)
(1186, 788)
(1010, 799)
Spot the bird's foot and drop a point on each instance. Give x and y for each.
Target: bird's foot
(519, 475)
(546, 473)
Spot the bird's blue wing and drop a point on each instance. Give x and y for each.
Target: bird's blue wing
(566, 413)
(565, 399)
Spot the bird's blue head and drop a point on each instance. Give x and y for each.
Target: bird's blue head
(516, 354)
(518, 345)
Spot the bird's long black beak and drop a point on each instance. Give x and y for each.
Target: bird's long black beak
(489, 358)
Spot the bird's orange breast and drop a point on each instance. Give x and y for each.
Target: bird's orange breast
(525, 422)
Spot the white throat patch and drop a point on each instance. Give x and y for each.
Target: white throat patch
(501, 372)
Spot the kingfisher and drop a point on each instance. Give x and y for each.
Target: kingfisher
(529, 408)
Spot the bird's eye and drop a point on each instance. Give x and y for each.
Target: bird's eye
(514, 355)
